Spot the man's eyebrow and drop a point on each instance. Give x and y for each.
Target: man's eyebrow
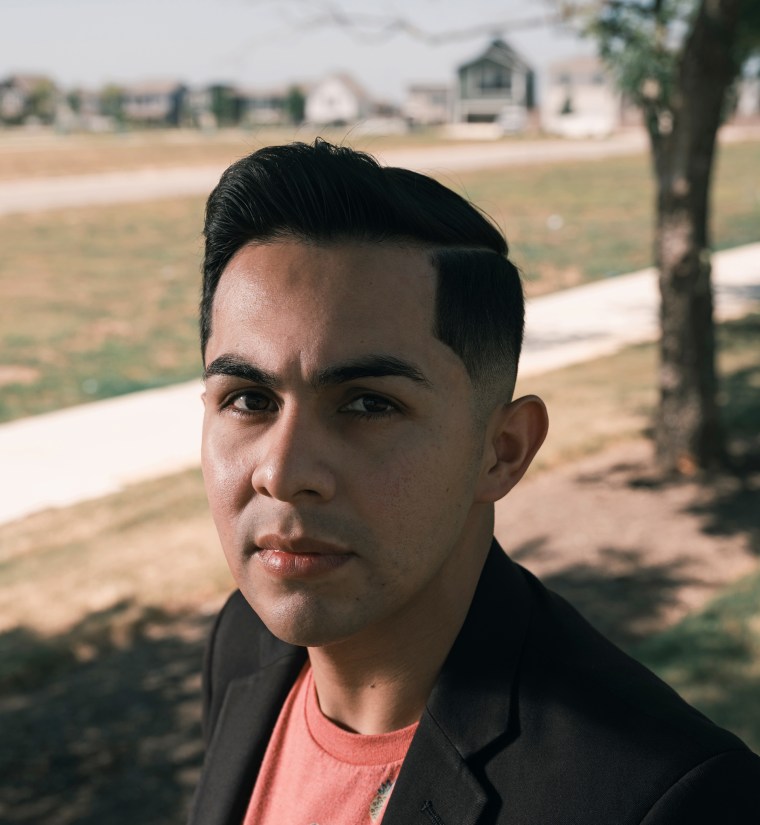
(236, 367)
(370, 366)
(366, 366)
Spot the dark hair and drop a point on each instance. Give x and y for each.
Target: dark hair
(323, 193)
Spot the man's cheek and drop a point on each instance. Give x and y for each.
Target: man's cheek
(226, 472)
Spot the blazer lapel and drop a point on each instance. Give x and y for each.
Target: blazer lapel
(470, 707)
(247, 718)
(439, 789)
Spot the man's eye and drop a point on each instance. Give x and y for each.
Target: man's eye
(251, 402)
(370, 405)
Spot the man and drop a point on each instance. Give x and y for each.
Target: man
(384, 659)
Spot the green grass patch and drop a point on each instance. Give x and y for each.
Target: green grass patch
(712, 658)
(103, 301)
(98, 302)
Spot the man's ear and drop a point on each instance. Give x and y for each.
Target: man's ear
(514, 433)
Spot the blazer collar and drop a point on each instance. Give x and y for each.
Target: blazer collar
(247, 718)
(470, 707)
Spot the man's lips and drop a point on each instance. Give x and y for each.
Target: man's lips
(300, 545)
(288, 557)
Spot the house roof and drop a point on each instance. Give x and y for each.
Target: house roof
(154, 87)
(498, 52)
(27, 82)
(416, 88)
(348, 81)
(582, 64)
(259, 93)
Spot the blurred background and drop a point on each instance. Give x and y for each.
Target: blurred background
(617, 146)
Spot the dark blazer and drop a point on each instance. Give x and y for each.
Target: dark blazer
(535, 719)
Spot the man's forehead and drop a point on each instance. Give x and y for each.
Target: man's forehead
(382, 279)
(323, 304)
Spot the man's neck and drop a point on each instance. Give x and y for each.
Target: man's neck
(381, 681)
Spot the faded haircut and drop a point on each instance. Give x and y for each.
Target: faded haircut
(325, 194)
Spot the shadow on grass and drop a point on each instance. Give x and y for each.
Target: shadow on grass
(102, 724)
(619, 594)
(711, 657)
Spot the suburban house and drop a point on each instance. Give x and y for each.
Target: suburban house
(498, 86)
(337, 100)
(267, 107)
(25, 96)
(427, 104)
(154, 103)
(580, 99)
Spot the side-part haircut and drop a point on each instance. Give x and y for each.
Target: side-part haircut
(327, 194)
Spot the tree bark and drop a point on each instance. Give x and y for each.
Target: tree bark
(688, 433)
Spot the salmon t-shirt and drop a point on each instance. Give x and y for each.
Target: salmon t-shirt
(315, 773)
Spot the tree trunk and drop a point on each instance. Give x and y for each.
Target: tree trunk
(688, 433)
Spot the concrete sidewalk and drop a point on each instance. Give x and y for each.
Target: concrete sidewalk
(85, 452)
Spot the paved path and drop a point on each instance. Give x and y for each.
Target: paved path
(84, 452)
(34, 195)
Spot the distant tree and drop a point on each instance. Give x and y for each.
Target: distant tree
(74, 99)
(225, 105)
(295, 105)
(677, 60)
(41, 101)
(112, 102)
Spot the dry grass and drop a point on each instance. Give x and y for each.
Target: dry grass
(153, 546)
(29, 155)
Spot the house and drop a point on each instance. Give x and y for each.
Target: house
(267, 107)
(497, 87)
(427, 104)
(580, 99)
(154, 103)
(25, 96)
(337, 100)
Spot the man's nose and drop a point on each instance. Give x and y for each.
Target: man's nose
(293, 460)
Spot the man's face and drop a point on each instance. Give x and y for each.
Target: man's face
(339, 451)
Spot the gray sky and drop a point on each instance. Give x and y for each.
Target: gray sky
(259, 43)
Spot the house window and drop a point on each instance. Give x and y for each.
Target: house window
(492, 79)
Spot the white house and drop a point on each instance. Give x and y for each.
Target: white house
(580, 99)
(336, 100)
(156, 103)
(498, 86)
(427, 104)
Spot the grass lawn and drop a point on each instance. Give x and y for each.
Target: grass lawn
(102, 301)
(575, 222)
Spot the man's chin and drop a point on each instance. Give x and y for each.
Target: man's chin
(302, 623)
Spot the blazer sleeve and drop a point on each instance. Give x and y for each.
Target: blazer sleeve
(723, 790)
